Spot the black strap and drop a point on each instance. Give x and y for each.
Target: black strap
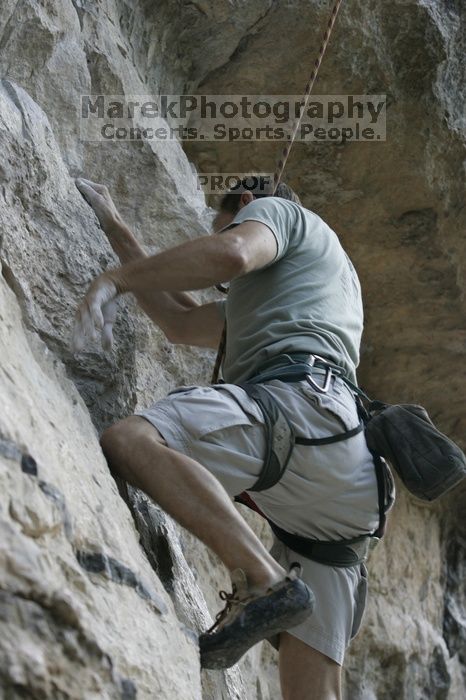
(340, 553)
(332, 438)
(385, 483)
(385, 489)
(279, 437)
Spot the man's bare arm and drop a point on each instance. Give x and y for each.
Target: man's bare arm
(195, 264)
(200, 263)
(183, 320)
(190, 323)
(164, 308)
(168, 310)
(201, 326)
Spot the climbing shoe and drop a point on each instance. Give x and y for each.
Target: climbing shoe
(249, 617)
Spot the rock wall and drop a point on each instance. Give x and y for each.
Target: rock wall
(101, 596)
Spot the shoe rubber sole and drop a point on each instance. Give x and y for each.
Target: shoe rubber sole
(267, 616)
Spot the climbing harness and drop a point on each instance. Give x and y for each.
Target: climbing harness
(280, 442)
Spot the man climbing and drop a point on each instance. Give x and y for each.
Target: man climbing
(294, 295)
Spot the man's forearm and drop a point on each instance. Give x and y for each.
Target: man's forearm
(162, 307)
(195, 264)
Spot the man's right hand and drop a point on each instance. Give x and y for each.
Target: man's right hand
(99, 199)
(96, 313)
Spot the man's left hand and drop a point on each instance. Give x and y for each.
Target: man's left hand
(96, 313)
(98, 197)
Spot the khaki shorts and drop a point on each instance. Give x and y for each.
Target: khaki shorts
(327, 492)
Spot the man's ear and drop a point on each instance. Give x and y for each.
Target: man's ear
(245, 199)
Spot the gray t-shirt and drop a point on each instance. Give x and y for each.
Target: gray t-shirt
(308, 299)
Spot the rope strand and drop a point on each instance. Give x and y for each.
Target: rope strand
(220, 354)
(310, 84)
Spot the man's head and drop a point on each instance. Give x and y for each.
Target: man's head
(242, 194)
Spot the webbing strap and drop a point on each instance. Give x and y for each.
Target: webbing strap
(385, 491)
(340, 553)
(220, 354)
(279, 437)
(332, 438)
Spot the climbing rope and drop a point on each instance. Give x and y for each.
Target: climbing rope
(286, 152)
(305, 99)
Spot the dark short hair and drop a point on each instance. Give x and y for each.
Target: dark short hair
(230, 201)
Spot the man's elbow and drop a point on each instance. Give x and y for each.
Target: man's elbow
(172, 338)
(175, 335)
(237, 262)
(175, 330)
(243, 259)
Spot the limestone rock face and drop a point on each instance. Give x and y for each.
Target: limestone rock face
(103, 596)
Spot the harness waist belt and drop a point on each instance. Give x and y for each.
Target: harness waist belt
(296, 366)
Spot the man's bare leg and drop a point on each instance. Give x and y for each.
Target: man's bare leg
(305, 673)
(191, 495)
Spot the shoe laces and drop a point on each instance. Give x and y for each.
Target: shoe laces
(232, 599)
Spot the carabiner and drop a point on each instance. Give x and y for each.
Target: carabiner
(321, 389)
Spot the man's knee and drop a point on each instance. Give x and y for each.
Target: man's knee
(118, 442)
(113, 438)
(122, 441)
(114, 443)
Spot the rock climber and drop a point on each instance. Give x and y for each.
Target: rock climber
(294, 296)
